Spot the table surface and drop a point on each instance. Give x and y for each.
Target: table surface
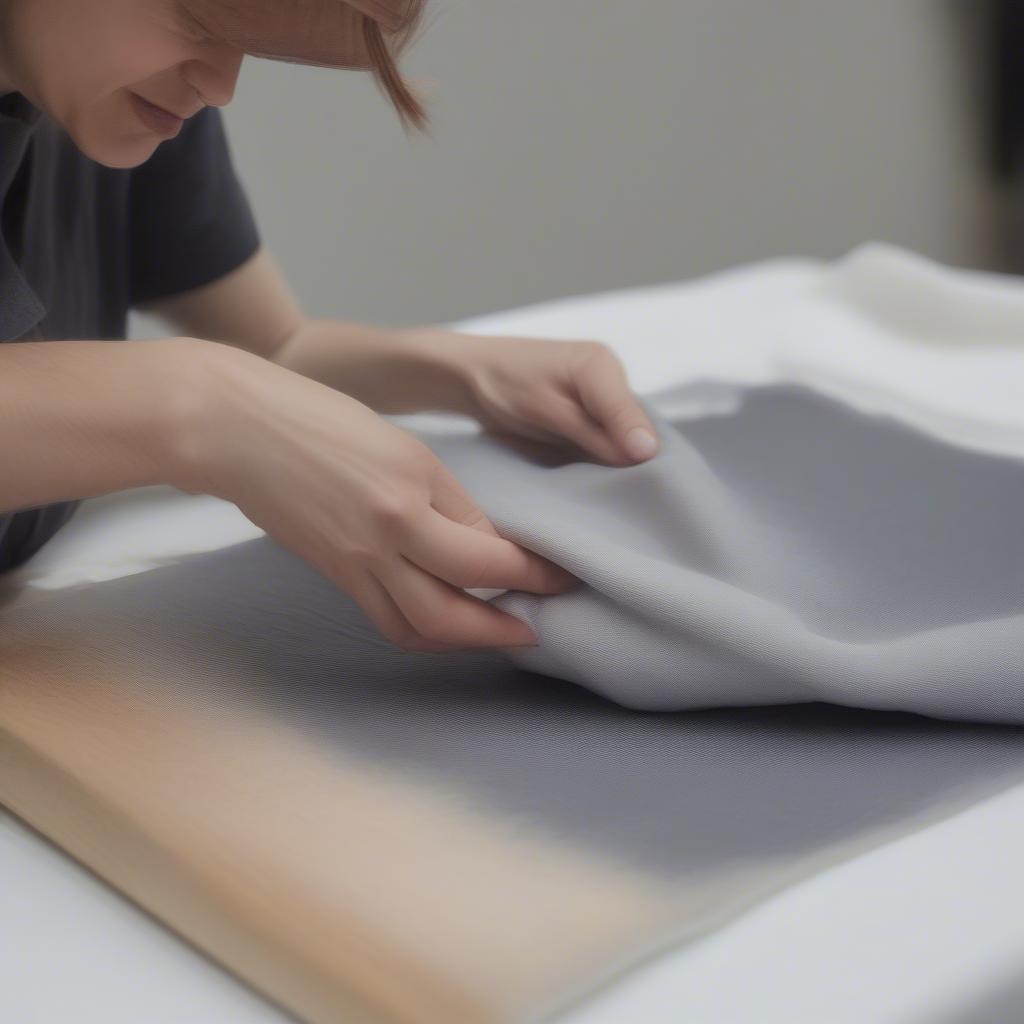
(925, 928)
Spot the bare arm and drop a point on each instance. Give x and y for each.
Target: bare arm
(252, 307)
(391, 370)
(523, 387)
(365, 503)
(83, 418)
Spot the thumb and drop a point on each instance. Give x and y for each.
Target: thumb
(606, 395)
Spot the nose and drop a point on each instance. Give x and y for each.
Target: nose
(215, 75)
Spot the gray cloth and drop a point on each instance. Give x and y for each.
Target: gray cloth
(253, 627)
(705, 811)
(248, 685)
(790, 550)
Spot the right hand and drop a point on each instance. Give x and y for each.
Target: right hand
(363, 501)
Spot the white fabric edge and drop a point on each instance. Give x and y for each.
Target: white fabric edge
(827, 948)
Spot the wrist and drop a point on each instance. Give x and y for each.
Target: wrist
(390, 370)
(202, 378)
(440, 362)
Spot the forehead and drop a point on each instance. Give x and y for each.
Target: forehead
(325, 32)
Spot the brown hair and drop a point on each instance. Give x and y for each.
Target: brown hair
(363, 34)
(409, 106)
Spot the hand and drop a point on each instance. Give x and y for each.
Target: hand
(366, 503)
(551, 391)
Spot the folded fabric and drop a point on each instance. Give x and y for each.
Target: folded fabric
(370, 834)
(882, 329)
(367, 833)
(781, 548)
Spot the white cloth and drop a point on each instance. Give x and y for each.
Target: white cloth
(789, 550)
(667, 335)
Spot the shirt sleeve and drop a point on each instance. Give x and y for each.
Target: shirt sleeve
(190, 221)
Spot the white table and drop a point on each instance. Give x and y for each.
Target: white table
(926, 928)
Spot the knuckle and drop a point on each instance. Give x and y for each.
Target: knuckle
(419, 460)
(594, 349)
(393, 509)
(474, 572)
(621, 414)
(471, 517)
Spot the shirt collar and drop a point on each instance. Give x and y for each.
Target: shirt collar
(15, 106)
(20, 307)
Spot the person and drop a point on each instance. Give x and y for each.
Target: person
(118, 192)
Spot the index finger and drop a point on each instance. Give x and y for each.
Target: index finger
(478, 558)
(447, 552)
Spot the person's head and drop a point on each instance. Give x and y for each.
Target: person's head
(96, 66)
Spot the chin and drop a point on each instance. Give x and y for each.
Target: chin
(117, 150)
(110, 135)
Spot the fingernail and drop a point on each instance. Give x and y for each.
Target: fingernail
(641, 443)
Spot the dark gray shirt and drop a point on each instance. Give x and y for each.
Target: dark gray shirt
(80, 244)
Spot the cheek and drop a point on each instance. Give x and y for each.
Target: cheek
(127, 67)
(81, 60)
(104, 55)
(99, 113)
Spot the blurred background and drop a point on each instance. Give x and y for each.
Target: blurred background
(582, 145)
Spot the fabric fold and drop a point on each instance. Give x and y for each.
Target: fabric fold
(791, 550)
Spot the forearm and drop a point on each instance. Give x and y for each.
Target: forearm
(391, 370)
(84, 418)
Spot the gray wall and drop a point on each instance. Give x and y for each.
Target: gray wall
(580, 145)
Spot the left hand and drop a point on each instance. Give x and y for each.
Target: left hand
(547, 391)
(544, 390)
(553, 391)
